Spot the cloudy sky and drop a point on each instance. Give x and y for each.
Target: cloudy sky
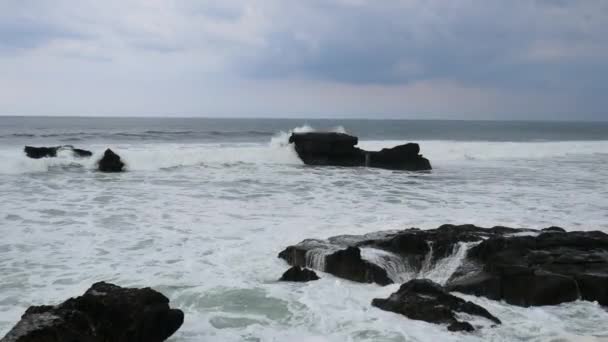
(458, 59)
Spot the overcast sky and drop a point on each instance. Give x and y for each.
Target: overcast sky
(457, 59)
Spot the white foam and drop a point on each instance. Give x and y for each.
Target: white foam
(396, 267)
(442, 150)
(443, 268)
(207, 234)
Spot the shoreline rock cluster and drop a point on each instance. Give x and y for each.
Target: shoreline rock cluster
(105, 312)
(524, 267)
(338, 149)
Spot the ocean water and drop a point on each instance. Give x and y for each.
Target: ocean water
(207, 204)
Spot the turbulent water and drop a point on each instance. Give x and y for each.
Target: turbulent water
(207, 205)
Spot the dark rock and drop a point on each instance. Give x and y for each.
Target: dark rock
(338, 149)
(49, 152)
(345, 263)
(424, 300)
(110, 162)
(545, 269)
(105, 312)
(413, 247)
(402, 157)
(349, 264)
(298, 274)
(521, 266)
(40, 152)
(81, 153)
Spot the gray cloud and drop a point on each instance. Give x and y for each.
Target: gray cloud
(488, 58)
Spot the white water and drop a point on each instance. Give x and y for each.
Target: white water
(442, 269)
(203, 223)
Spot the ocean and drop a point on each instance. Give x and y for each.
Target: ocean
(207, 204)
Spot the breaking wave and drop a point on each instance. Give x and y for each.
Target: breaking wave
(150, 156)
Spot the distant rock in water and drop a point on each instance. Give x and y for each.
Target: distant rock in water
(521, 266)
(338, 149)
(49, 152)
(105, 312)
(298, 274)
(424, 300)
(110, 162)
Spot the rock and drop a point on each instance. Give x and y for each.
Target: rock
(345, 263)
(413, 249)
(49, 152)
(338, 149)
(550, 268)
(424, 300)
(522, 266)
(40, 152)
(105, 312)
(110, 162)
(81, 153)
(402, 157)
(298, 274)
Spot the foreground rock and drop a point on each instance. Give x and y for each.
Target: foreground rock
(49, 152)
(110, 162)
(105, 312)
(298, 274)
(424, 300)
(521, 266)
(550, 268)
(338, 149)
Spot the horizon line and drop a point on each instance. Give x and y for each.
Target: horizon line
(64, 116)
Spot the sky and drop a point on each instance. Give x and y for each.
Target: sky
(418, 59)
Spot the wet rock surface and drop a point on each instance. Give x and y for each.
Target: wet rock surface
(519, 265)
(338, 149)
(298, 274)
(105, 312)
(546, 269)
(110, 162)
(424, 300)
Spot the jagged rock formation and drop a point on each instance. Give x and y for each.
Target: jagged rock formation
(105, 312)
(298, 274)
(49, 152)
(424, 300)
(550, 268)
(522, 266)
(338, 149)
(110, 162)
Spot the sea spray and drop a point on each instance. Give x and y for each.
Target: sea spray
(396, 267)
(443, 269)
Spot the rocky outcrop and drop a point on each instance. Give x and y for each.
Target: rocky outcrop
(345, 263)
(424, 300)
(105, 312)
(545, 269)
(369, 258)
(521, 266)
(298, 274)
(110, 162)
(49, 152)
(338, 149)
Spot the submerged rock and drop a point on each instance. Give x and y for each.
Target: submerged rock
(298, 274)
(110, 162)
(424, 300)
(49, 152)
(338, 149)
(105, 312)
(521, 266)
